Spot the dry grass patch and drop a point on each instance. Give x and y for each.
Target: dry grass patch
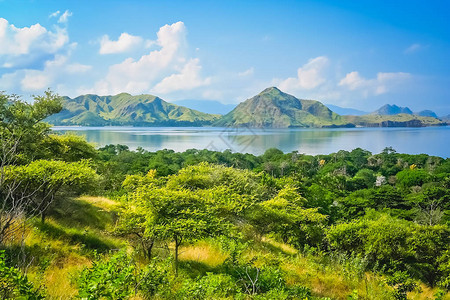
(203, 252)
(101, 202)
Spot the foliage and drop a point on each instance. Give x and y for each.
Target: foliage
(41, 180)
(21, 128)
(112, 279)
(280, 226)
(14, 284)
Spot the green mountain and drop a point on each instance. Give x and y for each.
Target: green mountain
(125, 109)
(398, 120)
(273, 108)
(390, 110)
(426, 113)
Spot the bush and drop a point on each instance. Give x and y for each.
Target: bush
(210, 286)
(14, 284)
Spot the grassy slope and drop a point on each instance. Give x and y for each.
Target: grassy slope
(66, 244)
(273, 108)
(374, 119)
(125, 109)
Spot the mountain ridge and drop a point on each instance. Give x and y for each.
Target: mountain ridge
(271, 108)
(125, 109)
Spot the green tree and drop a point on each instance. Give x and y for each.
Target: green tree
(21, 128)
(286, 217)
(173, 215)
(42, 180)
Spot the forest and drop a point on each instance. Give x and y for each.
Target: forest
(80, 222)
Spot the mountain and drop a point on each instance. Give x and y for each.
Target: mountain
(269, 109)
(398, 120)
(125, 109)
(346, 111)
(426, 113)
(445, 118)
(390, 110)
(273, 108)
(207, 106)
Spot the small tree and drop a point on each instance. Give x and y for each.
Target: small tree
(172, 215)
(286, 216)
(41, 180)
(21, 132)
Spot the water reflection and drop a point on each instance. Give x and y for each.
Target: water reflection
(430, 140)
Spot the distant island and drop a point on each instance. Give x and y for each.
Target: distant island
(271, 108)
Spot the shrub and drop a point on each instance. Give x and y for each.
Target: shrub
(14, 284)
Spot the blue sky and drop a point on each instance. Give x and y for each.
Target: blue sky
(360, 54)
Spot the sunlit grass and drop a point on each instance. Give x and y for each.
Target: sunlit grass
(60, 248)
(64, 245)
(203, 252)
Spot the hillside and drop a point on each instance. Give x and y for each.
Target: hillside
(390, 110)
(273, 108)
(125, 109)
(426, 113)
(398, 120)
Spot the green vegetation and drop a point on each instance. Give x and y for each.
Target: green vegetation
(270, 108)
(399, 120)
(123, 224)
(124, 109)
(273, 108)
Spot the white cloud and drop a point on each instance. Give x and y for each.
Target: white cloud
(248, 72)
(54, 14)
(309, 76)
(35, 81)
(383, 83)
(125, 43)
(27, 45)
(64, 18)
(161, 67)
(38, 80)
(413, 48)
(189, 78)
(353, 81)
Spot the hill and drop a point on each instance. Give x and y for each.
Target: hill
(207, 106)
(445, 118)
(125, 109)
(426, 113)
(273, 108)
(398, 120)
(390, 110)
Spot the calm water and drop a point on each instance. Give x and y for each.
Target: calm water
(429, 140)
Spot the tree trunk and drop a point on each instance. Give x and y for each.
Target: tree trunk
(149, 250)
(177, 245)
(43, 215)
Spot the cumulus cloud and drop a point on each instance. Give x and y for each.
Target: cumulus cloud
(125, 43)
(309, 76)
(161, 67)
(383, 83)
(188, 78)
(27, 46)
(29, 80)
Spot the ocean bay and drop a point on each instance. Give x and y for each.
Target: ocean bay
(428, 140)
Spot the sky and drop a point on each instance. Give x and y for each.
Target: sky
(359, 54)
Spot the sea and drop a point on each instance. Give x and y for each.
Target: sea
(429, 140)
